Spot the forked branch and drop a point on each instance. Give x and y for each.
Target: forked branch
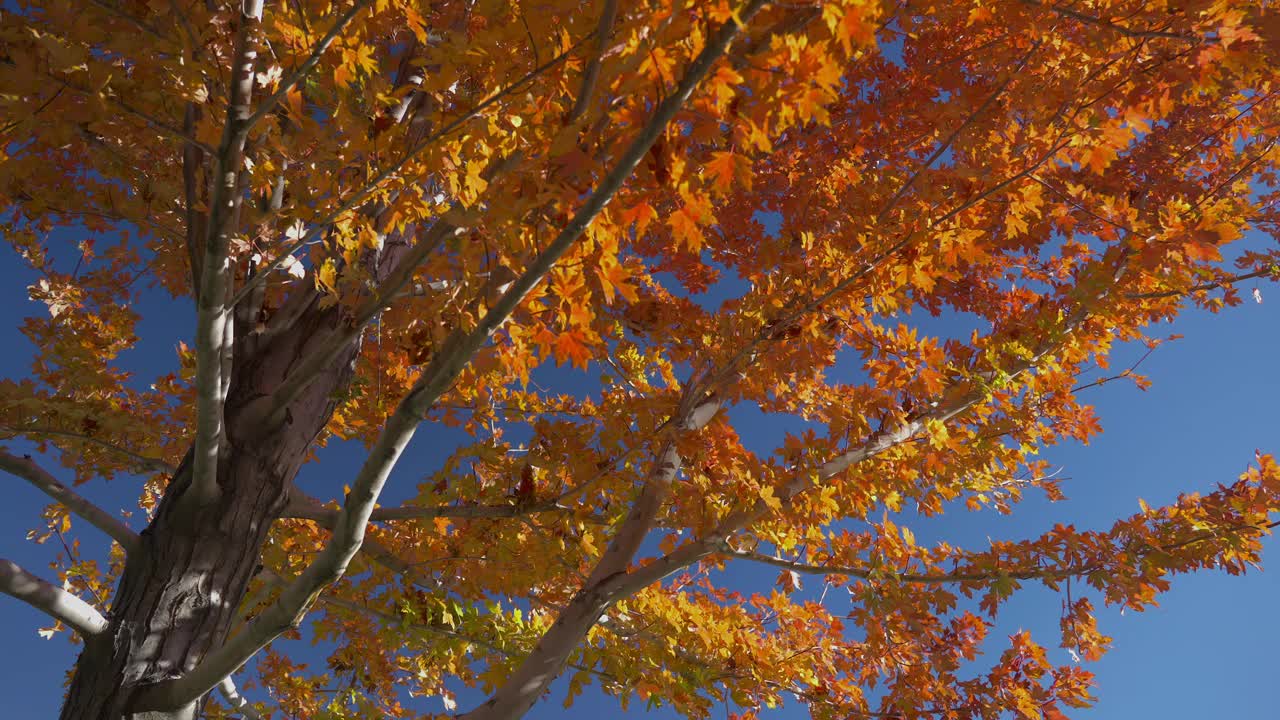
(445, 367)
(542, 665)
(359, 197)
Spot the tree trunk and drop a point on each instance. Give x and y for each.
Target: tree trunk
(182, 587)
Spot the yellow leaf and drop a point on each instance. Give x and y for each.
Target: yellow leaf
(613, 277)
(417, 24)
(980, 14)
(768, 498)
(327, 276)
(758, 137)
(294, 97)
(342, 75)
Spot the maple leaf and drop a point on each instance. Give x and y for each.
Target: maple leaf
(640, 214)
(721, 169)
(852, 25)
(355, 60)
(327, 276)
(726, 168)
(570, 346)
(684, 227)
(789, 581)
(614, 278)
(470, 187)
(1099, 158)
(980, 14)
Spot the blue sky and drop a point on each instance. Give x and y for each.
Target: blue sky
(1205, 652)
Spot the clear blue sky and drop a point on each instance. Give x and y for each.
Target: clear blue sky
(1205, 652)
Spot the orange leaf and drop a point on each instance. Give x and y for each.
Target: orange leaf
(684, 226)
(640, 214)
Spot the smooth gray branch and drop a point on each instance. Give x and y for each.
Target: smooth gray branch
(514, 698)
(51, 600)
(236, 701)
(27, 469)
(213, 339)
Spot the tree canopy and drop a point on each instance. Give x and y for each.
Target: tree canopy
(394, 216)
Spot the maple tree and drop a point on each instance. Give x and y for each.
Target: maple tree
(397, 212)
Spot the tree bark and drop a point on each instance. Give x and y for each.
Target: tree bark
(183, 583)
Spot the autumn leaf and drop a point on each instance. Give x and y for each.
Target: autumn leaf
(640, 214)
(896, 255)
(686, 231)
(727, 168)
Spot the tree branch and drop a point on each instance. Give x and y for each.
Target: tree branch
(144, 462)
(217, 273)
(26, 468)
(305, 507)
(523, 687)
(732, 366)
(946, 144)
(349, 527)
(592, 70)
(134, 21)
(313, 58)
(626, 584)
(971, 576)
(866, 573)
(308, 508)
(444, 631)
(349, 530)
(541, 667)
(1103, 23)
(150, 120)
(1127, 372)
(51, 600)
(236, 701)
(376, 181)
(270, 409)
(192, 162)
(1270, 272)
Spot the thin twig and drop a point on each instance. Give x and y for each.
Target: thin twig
(147, 463)
(1272, 272)
(1100, 22)
(376, 182)
(27, 469)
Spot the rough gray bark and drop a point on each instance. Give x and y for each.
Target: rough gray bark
(50, 599)
(183, 583)
(187, 573)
